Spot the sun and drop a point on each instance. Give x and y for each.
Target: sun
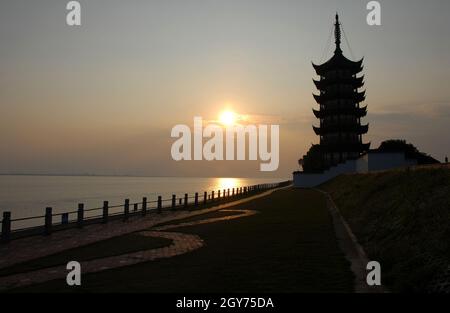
(227, 118)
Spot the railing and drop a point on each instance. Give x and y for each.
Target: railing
(122, 211)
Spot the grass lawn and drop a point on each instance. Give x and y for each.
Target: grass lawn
(115, 246)
(402, 219)
(216, 214)
(289, 247)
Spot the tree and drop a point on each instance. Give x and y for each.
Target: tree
(312, 162)
(411, 152)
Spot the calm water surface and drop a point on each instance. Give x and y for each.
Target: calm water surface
(29, 195)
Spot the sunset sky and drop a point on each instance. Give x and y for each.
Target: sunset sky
(103, 97)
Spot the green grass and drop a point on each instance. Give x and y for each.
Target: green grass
(119, 245)
(289, 247)
(402, 219)
(196, 218)
(110, 247)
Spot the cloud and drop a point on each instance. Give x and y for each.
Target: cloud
(423, 124)
(431, 110)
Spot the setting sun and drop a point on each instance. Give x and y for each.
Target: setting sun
(227, 118)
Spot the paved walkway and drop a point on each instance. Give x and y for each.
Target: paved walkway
(25, 249)
(181, 243)
(353, 251)
(39, 246)
(210, 220)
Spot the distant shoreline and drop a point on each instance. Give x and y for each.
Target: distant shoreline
(131, 176)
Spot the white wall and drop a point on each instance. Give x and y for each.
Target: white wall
(303, 180)
(367, 163)
(386, 161)
(362, 164)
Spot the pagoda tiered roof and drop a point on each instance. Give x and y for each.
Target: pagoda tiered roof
(355, 82)
(339, 62)
(347, 147)
(355, 111)
(340, 113)
(341, 128)
(354, 96)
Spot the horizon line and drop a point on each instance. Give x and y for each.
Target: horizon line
(126, 175)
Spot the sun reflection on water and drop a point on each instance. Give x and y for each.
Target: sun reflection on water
(227, 183)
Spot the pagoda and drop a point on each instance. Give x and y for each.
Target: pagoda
(340, 110)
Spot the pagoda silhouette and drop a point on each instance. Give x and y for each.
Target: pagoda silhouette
(341, 149)
(340, 110)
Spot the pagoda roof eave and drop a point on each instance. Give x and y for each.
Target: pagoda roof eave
(338, 61)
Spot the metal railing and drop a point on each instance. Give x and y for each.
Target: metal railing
(82, 216)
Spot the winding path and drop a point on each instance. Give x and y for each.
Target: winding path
(181, 243)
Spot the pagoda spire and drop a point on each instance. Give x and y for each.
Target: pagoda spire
(340, 111)
(337, 35)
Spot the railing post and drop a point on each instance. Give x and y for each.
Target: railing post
(135, 207)
(6, 226)
(144, 206)
(159, 204)
(205, 197)
(185, 200)
(80, 215)
(48, 221)
(105, 212)
(174, 201)
(64, 218)
(212, 195)
(196, 199)
(233, 192)
(228, 194)
(218, 195)
(126, 209)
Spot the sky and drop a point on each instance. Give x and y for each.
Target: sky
(102, 98)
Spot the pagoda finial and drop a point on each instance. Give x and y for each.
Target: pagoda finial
(337, 34)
